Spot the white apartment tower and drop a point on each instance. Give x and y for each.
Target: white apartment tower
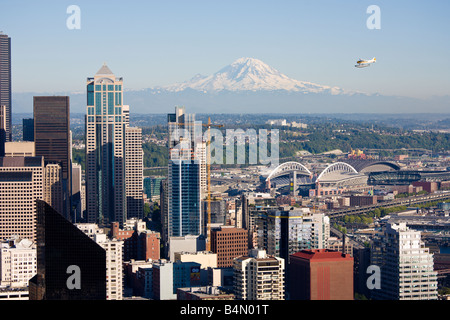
(114, 259)
(201, 155)
(259, 277)
(406, 265)
(114, 266)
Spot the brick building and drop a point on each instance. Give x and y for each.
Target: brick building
(139, 243)
(228, 243)
(362, 200)
(428, 186)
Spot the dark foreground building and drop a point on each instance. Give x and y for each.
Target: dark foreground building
(66, 257)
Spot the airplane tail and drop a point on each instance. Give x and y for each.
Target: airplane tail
(374, 59)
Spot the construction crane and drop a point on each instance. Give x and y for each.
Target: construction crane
(208, 173)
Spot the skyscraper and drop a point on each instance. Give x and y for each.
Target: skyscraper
(134, 172)
(105, 152)
(52, 139)
(184, 216)
(114, 267)
(5, 81)
(283, 232)
(406, 265)
(184, 176)
(2, 130)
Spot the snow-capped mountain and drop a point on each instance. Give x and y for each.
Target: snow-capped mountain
(249, 85)
(249, 74)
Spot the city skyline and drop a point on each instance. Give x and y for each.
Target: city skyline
(116, 188)
(160, 46)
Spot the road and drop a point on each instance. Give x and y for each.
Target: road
(394, 203)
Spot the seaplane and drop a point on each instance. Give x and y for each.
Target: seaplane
(361, 63)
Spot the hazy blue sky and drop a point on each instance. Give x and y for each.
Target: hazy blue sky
(153, 43)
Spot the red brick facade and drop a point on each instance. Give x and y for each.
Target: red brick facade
(229, 243)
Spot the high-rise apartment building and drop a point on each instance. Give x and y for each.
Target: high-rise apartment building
(114, 248)
(114, 267)
(105, 152)
(283, 232)
(259, 276)
(52, 139)
(320, 274)
(406, 265)
(21, 183)
(5, 82)
(201, 154)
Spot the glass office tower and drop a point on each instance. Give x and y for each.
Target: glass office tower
(105, 162)
(184, 176)
(184, 198)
